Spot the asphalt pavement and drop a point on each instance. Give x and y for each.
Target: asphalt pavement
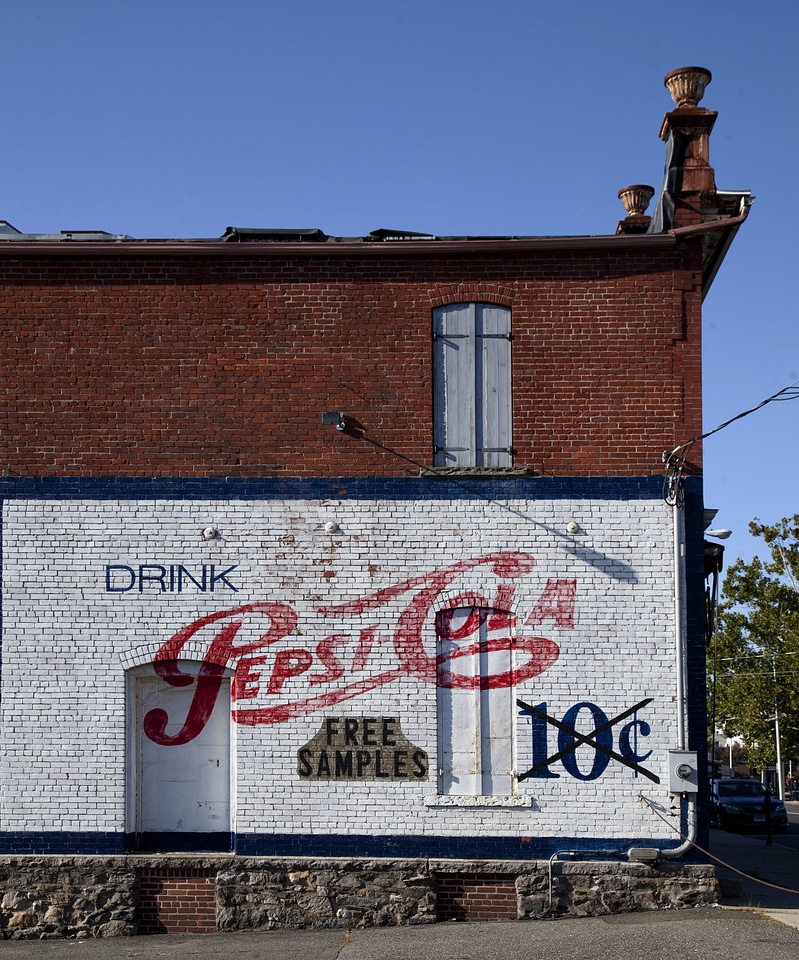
(759, 917)
(760, 875)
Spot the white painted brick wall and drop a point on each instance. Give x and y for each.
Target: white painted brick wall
(67, 643)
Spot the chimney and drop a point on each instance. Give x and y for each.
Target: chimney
(686, 132)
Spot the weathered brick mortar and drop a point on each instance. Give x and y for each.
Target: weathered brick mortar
(118, 368)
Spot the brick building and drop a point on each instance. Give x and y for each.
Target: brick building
(357, 548)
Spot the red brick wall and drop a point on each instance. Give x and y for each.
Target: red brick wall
(176, 901)
(473, 896)
(222, 366)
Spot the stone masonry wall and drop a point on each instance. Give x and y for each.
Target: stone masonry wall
(85, 897)
(80, 897)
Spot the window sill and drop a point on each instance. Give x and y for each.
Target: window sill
(445, 472)
(461, 800)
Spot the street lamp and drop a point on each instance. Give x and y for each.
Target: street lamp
(721, 534)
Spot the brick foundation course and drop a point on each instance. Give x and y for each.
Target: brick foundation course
(87, 897)
(176, 900)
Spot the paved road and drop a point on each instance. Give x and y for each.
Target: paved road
(791, 838)
(666, 935)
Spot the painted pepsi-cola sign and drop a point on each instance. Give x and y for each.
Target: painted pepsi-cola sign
(334, 667)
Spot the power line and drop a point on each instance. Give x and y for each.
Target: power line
(791, 392)
(675, 460)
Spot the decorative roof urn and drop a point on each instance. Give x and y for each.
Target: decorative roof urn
(687, 85)
(636, 198)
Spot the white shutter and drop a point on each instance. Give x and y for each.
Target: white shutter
(459, 740)
(475, 722)
(496, 719)
(454, 378)
(472, 386)
(493, 333)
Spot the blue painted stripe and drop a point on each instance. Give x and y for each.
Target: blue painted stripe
(341, 846)
(333, 488)
(61, 843)
(456, 848)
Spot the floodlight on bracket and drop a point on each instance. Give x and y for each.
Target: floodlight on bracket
(334, 418)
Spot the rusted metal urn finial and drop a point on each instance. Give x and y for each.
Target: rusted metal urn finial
(636, 198)
(687, 85)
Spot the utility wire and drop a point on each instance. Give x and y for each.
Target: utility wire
(432, 473)
(791, 392)
(712, 856)
(675, 460)
(766, 675)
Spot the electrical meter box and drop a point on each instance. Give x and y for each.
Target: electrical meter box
(683, 771)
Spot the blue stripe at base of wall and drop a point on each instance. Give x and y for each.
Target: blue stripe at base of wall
(338, 846)
(170, 842)
(435, 847)
(61, 843)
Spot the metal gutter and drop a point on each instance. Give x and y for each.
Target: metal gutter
(726, 227)
(330, 248)
(697, 229)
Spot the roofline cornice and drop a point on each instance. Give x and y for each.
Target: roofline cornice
(70, 249)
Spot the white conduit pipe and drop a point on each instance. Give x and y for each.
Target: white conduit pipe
(690, 839)
(679, 561)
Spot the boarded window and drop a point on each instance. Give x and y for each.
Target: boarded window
(475, 701)
(472, 385)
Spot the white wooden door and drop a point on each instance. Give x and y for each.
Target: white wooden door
(182, 788)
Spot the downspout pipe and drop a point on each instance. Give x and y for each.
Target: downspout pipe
(670, 853)
(678, 524)
(690, 837)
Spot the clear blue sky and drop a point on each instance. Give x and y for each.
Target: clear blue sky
(182, 117)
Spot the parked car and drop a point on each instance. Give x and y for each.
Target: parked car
(741, 805)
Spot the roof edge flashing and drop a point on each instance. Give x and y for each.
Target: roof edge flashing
(127, 246)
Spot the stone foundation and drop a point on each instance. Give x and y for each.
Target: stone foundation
(55, 897)
(82, 897)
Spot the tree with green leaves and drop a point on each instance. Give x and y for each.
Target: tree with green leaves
(753, 659)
